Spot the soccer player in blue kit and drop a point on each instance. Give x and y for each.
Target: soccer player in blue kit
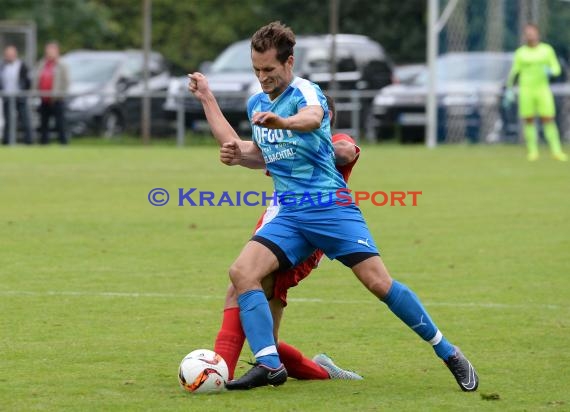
(291, 133)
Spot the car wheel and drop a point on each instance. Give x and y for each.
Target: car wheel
(112, 124)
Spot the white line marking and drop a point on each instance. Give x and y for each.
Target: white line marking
(485, 305)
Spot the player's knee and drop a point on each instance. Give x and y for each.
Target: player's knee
(242, 278)
(236, 274)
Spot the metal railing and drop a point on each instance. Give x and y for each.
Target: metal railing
(349, 104)
(33, 96)
(353, 111)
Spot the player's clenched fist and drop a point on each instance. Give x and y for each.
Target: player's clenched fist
(198, 85)
(230, 153)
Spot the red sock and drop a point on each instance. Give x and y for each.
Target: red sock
(230, 339)
(298, 366)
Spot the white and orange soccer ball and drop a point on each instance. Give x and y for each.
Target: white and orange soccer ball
(203, 371)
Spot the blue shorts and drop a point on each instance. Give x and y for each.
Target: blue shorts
(339, 231)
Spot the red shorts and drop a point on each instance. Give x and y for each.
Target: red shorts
(289, 278)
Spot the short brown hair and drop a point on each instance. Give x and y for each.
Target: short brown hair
(276, 36)
(332, 109)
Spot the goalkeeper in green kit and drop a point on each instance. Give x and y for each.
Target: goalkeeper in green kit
(534, 63)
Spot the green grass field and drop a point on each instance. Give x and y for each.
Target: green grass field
(102, 294)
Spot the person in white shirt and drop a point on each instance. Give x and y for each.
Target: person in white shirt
(14, 79)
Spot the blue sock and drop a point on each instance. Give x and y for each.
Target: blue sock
(406, 305)
(258, 327)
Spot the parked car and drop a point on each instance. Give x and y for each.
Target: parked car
(108, 86)
(361, 64)
(469, 95)
(468, 84)
(405, 74)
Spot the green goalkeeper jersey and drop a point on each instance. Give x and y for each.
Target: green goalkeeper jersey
(533, 66)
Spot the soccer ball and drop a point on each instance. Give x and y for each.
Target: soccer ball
(203, 371)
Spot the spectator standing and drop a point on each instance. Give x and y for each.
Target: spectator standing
(14, 78)
(52, 77)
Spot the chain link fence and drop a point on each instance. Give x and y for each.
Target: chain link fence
(493, 28)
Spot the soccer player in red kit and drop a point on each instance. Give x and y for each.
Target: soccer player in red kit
(230, 338)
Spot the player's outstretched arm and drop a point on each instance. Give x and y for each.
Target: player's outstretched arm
(223, 132)
(243, 153)
(307, 119)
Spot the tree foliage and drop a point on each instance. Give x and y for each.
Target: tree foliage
(189, 32)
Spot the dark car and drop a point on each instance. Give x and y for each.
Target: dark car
(107, 89)
(470, 92)
(469, 86)
(361, 64)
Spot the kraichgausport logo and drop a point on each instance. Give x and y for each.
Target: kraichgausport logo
(341, 197)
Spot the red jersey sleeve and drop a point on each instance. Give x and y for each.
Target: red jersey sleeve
(346, 169)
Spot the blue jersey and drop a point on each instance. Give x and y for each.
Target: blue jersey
(302, 164)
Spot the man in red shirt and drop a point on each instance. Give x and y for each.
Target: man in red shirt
(230, 338)
(52, 78)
